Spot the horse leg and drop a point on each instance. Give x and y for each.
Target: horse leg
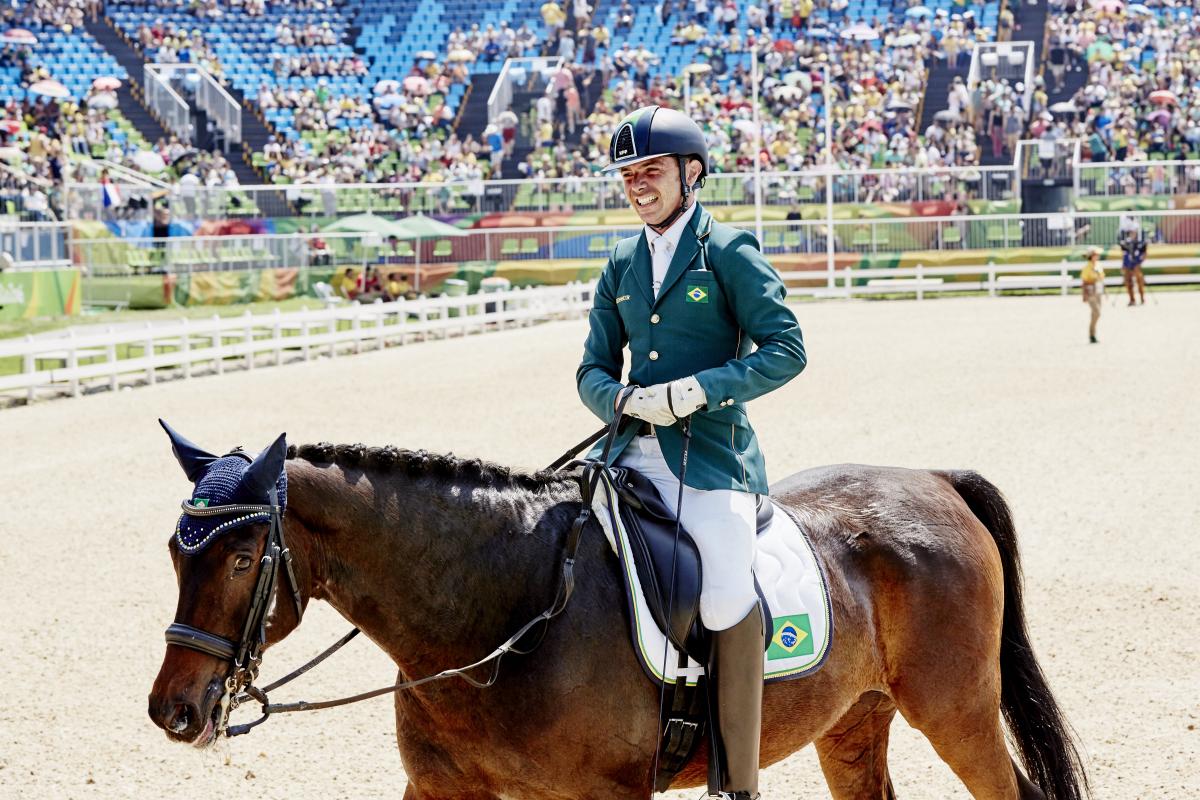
(853, 753)
(412, 793)
(967, 735)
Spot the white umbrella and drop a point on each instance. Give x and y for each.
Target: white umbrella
(50, 88)
(386, 87)
(947, 116)
(107, 84)
(786, 92)
(426, 55)
(860, 33)
(149, 161)
(907, 40)
(11, 154)
(460, 55)
(1065, 107)
(746, 126)
(102, 100)
(698, 68)
(18, 36)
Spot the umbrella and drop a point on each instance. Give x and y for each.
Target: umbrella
(368, 223)
(786, 92)
(820, 33)
(50, 88)
(149, 161)
(12, 126)
(420, 226)
(907, 40)
(1139, 10)
(390, 100)
(746, 126)
(106, 84)
(797, 77)
(1163, 98)
(918, 12)
(947, 116)
(899, 105)
(191, 152)
(460, 55)
(698, 69)
(860, 33)
(1100, 51)
(18, 36)
(426, 55)
(11, 154)
(1065, 107)
(102, 100)
(386, 87)
(1161, 117)
(1107, 6)
(416, 84)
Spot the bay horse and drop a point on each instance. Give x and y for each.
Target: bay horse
(438, 559)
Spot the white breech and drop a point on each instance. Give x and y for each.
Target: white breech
(722, 523)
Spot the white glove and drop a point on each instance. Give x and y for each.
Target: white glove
(665, 403)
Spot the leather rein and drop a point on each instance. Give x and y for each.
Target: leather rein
(245, 655)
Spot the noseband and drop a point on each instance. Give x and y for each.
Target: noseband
(245, 655)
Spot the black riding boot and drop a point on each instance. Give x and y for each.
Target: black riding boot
(735, 671)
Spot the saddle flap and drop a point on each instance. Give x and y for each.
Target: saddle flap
(651, 529)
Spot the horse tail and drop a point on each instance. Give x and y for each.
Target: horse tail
(1043, 736)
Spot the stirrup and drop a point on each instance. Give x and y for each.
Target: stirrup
(732, 796)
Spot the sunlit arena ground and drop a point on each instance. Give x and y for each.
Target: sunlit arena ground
(1095, 447)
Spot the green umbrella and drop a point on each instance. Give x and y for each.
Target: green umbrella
(420, 226)
(369, 223)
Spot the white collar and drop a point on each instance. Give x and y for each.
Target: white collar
(672, 234)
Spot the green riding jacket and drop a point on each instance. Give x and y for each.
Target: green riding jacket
(708, 314)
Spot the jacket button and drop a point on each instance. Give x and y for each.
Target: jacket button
(654, 355)
(654, 318)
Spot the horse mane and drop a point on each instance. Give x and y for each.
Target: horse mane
(421, 463)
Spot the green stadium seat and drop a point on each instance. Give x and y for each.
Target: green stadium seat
(598, 244)
(951, 235)
(529, 247)
(509, 247)
(791, 240)
(772, 239)
(442, 249)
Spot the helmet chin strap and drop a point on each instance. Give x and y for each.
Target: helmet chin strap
(685, 193)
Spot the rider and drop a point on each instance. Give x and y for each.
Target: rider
(688, 296)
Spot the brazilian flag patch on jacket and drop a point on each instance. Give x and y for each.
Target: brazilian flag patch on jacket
(697, 294)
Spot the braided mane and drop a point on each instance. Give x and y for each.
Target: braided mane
(421, 463)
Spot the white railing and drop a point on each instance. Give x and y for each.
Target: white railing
(1011, 61)
(164, 101)
(516, 70)
(222, 109)
(993, 278)
(189, 347)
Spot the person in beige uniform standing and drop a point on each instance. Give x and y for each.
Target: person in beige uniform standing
(1093, 289)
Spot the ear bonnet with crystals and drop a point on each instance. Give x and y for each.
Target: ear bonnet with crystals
(230, 480)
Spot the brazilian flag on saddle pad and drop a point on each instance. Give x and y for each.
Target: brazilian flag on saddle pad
(792, 637)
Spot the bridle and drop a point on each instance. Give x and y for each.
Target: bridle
(245, 655)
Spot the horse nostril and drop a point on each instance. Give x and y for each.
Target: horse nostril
(180, 719)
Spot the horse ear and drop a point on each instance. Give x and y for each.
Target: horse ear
(263, 472)
(195, 462)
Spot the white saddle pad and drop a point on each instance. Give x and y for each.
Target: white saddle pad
(791, 580)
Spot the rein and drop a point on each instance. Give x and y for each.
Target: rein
(245, 656)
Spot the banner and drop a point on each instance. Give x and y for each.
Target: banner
(44, 293)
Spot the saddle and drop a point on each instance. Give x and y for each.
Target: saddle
(650, 525)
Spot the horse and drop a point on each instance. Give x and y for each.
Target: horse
(438, 558)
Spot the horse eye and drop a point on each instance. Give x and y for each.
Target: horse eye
(241, 564)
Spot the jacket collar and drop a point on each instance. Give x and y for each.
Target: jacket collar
(685, 252)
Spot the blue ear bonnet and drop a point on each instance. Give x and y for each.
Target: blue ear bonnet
(223, 484)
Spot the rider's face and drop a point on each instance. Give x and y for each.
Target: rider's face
(652, 188)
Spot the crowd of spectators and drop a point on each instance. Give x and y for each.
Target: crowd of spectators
(1141, 97)
(165, 43)
(66, 15)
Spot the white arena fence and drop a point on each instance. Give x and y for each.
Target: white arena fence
(112, 357)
